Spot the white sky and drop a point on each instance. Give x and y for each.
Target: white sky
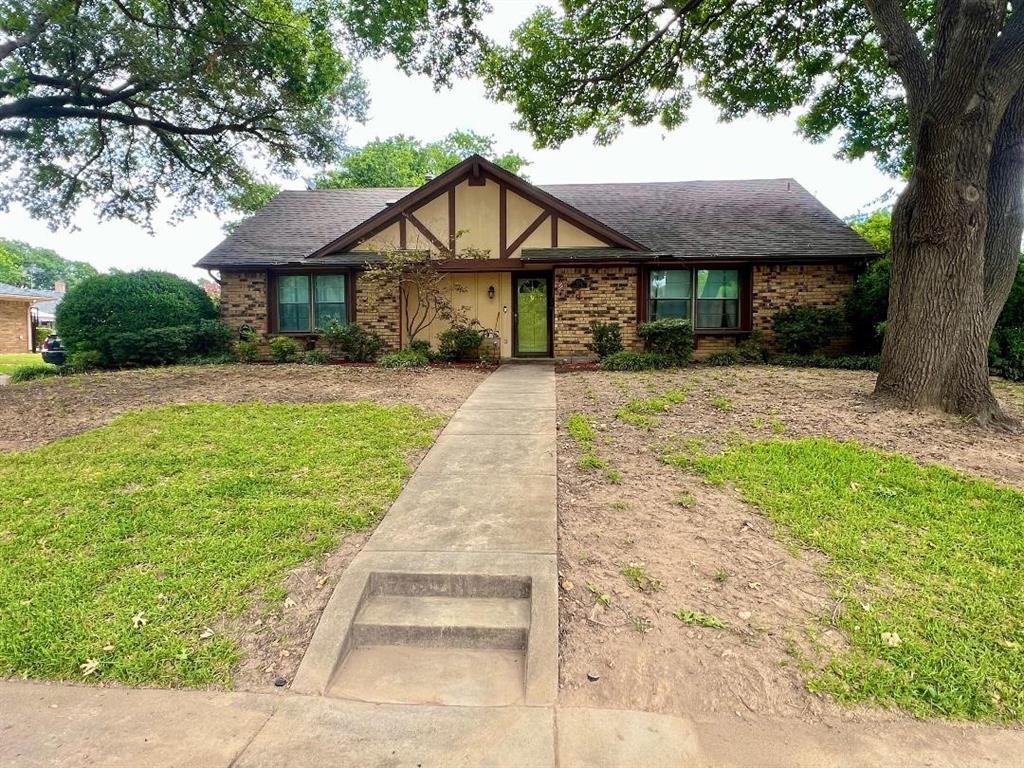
(702, 148)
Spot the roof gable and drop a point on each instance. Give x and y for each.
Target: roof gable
(476, 169)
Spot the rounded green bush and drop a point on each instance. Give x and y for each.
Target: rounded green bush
(104, 306)
(31, 372)
(406, 358)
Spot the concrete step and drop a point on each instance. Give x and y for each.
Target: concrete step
(411, 584)
(443, 622)
(451, 676)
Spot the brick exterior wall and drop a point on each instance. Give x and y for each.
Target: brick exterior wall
(781, 286)
(609, 296)
(380, 312)
(243, 300)
(14, 329)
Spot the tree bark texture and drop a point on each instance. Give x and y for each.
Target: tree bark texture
(957, 227)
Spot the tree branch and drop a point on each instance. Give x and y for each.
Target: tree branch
(906, 53)
(1005, 71)
(35, 29)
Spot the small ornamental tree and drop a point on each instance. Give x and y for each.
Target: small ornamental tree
(425, 292)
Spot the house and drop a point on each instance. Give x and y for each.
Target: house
(726, 254)
(16, 315)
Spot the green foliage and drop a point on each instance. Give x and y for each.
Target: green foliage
(700, 619)
(421, 346)
(211, 338)
(404, 358)
(350, 341)
(927, 564)
(153, 346)
(249, 199)
(724, 358)
(180, 520)
(876, 228)
(753, 349)
(402, 161)
(636, 361)
(128, 305)
(671, 337)
(247, 350)
(607, 339)
(83, 361)
(581, 430)
(460, 342)
(180, 100)
(595, 66)
(1006, 353)
(867, 306)
(39, 268)
(285, 350)
(803, 330)
(316, 357)
(839, 362)
(638, 577)
(30, 372)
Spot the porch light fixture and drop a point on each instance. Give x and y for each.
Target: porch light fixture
(490, 292)
(578, 284)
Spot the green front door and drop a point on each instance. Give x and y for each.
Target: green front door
(532, 328)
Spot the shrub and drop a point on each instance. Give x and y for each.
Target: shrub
(247, 351)
(316, 357)
(350, 341)
(152, 346)
(224, 358)
(422, 346)
(607, 339)
(30, 372)
(867, 305)
(725, 357)
(101, 307)
(636, 361)
(1007, 353)
(212, 338)
(82, 361)
(671, 338)
(805, 330)
(460, 342)
(284, 350)
(753, 349)
(406, 358)
(842, 362)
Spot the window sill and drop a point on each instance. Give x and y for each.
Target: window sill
(720, 332)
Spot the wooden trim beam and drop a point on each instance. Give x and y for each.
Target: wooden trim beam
(451, 221)
(534, 226)
(502, 222)
(402, 234)
(554, 230)
(422, 229)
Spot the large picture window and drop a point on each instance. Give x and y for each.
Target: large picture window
(709, 298)
(308, 302)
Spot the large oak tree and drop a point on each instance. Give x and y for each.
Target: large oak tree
(127, 103)
(931, 89)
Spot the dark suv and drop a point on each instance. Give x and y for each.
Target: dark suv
(53, 350)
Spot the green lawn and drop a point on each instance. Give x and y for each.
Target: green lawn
(929, 565)
(121, 547)
(11, 361)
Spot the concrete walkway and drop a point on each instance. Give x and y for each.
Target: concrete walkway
(439, 648)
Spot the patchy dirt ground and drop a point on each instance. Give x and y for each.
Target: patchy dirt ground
(712, 553)
(273, 638)
(40, 411)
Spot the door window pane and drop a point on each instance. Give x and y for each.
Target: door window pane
(330, 299)
(532, 316)
(670, 293)
(293, 303)
(718, 298)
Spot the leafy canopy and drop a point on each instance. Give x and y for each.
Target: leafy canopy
(31, 267)
(126, 102)
(596, 65)
(402, 161)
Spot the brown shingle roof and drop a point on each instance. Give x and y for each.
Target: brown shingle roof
(759, 218)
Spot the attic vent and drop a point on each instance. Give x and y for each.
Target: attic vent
(389, 203)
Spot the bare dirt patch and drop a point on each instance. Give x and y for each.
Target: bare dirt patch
(273, 637)
(711, 555)
(41, 411)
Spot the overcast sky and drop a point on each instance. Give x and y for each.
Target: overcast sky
(702, 148)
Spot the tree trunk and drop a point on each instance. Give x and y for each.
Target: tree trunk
(935, 353)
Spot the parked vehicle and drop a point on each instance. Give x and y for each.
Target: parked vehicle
(53, 350)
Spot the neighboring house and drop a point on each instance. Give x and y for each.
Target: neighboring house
(16, 310)
(726, 254)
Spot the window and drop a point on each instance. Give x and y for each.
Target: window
(718, 298)
(306, 303)
(293, 303)
(330, 299)
(717, 292)
(671, 290)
